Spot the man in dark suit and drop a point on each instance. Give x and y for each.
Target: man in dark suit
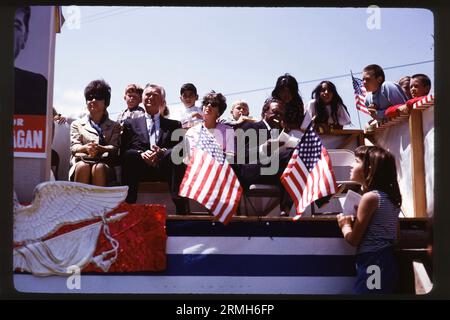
(264, 162)
(256, 139)
(30, 88)
(146, 148)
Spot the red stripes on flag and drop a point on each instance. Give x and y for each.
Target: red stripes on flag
(360, 103)
(306, 186)
(360, 94)
(424, 103)
(212, 184)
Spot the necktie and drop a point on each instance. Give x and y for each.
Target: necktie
(152, 131)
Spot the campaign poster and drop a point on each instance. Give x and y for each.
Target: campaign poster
(32, 45)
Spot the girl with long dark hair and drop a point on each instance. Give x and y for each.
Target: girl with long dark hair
(328, 108)
(374, 229)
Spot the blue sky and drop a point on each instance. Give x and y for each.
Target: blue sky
(232, 50)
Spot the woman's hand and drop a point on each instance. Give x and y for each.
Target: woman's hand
(92, 149)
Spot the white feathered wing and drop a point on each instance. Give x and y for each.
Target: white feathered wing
(57, 203)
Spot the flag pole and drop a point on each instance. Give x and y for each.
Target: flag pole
(357, 111)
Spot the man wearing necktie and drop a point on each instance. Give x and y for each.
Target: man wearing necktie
(262, 164)
(146, 148)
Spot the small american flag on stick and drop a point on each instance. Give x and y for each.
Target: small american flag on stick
(210, 180)
(308, 175)
(360, 94)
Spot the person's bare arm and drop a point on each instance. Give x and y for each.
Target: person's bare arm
(353, 232)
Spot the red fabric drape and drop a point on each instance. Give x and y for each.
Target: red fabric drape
(141, 235)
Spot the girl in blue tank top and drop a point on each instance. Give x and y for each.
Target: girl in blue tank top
(374, 229)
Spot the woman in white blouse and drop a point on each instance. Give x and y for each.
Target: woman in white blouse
(327, 108)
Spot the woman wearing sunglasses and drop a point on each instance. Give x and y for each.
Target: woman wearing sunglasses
(94, 139)
(213, 106)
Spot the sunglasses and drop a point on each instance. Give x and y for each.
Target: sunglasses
(96, 96)
(213, 104)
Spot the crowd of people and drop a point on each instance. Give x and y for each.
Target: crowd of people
(99, 143)
(145, 142)
(386, 99)
(149, 146)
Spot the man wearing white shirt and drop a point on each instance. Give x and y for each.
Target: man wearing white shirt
(146, 147)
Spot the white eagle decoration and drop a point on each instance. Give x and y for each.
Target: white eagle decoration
(57, 203)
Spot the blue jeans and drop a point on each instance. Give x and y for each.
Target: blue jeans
(385, 260)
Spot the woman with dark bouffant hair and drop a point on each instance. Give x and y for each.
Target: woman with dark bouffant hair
(327, 108)
(286, 90)
(94, 139)
(374, 229)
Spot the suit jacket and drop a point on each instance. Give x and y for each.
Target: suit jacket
(249, 147)
(250, 172)
(30, 93)
(135, 134)
(82, 132)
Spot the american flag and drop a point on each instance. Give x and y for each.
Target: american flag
(210, 180)
(308, 175)
(360, 94)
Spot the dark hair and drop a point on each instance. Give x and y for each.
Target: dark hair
(98, 87)
(291, 83)
(376, 69)
(188, 87)
(214, 97)
(26, 16)
(292, 117)
(267, 103)
(322, 116)
(423, 78)
(380, 172)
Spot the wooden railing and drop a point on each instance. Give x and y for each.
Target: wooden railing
(414, 123)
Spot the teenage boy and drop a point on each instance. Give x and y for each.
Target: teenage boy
(132, 97)
(382, 94)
